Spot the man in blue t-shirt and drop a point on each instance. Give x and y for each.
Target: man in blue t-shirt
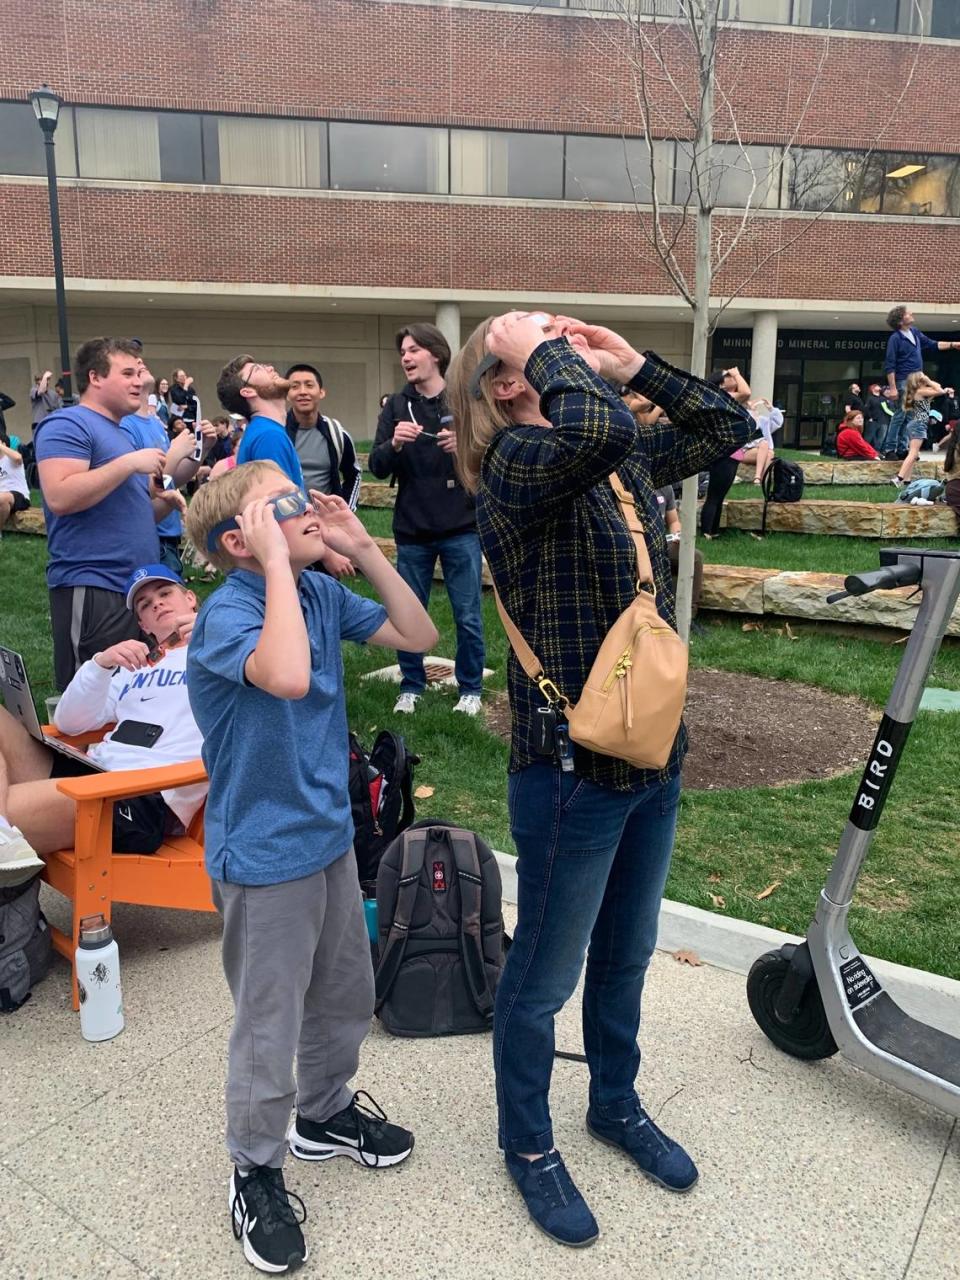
(903, 357)
(101, 503)
(145, 430)
(258, 393)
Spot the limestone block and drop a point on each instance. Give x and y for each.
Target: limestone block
(29, 521)
(804, 595)
(733, 588)
(833, 471)
(376, 495)
(363, 460)
(903, 521)
(809, 515)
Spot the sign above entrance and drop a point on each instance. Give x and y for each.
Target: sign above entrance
(804, 344)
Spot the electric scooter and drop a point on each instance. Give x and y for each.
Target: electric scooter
(821, 996)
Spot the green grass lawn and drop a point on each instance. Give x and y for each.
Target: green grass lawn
(812, 552)
(730, 844)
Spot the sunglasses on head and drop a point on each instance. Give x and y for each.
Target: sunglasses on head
(285, 506)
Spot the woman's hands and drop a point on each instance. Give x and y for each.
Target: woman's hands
(604, 351)
(515, 336)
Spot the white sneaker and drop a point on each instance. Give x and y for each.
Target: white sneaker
(406, 704)
(18, 859)
(469, 704)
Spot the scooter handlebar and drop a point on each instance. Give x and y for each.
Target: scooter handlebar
(884, 579)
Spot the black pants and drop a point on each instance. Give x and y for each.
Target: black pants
(86, 620)
(723, 472)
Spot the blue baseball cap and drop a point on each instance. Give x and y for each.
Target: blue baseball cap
(150, 573)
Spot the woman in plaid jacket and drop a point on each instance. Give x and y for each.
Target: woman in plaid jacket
(539, 431)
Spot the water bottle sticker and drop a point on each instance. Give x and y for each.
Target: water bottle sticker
(81, 993)
(100, 974)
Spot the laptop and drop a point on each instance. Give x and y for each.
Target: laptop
(15, 689)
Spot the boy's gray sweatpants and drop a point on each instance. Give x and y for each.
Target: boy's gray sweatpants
(297, 960)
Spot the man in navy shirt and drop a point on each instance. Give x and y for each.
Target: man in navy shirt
(101, 503)
(259, 394)
(904, 348)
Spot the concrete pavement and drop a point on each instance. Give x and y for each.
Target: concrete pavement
(112, 1164)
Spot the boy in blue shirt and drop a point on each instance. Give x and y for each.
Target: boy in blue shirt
(265, 677)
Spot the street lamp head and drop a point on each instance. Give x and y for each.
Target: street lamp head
(46, 107)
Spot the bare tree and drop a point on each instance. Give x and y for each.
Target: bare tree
(668, 50)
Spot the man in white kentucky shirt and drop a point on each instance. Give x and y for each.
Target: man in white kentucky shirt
(143, 689)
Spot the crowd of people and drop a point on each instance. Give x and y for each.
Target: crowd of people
(520, 448)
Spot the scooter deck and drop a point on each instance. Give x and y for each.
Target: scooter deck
(887, 1026)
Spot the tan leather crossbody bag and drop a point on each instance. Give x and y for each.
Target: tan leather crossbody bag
(631, 704)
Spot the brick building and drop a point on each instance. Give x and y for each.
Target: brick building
(297, 178)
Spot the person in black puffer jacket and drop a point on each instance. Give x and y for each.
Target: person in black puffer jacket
(434, 516)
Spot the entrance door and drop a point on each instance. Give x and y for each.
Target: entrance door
(825, 387)
(786, 393)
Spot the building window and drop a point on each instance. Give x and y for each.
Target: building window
(181, 149)
(615, 169)
(847, 15)
(376, 157)
(526, 165)
(773, 11)
(259, 152)
(118, 144)
(735, 175)
(22, 145)
(921, 185)
(841, 181)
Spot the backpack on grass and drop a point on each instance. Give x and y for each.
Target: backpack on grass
(782, 482)
(25, 945)
(929, 490)
(381, 799)
(441, 932)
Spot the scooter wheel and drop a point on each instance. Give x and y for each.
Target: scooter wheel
(807, 1035)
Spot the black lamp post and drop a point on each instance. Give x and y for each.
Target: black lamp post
(46, 107)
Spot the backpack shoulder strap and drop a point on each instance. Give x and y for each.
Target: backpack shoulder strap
(391, 958)
(470, 879)
(336, 436)
(766, 488)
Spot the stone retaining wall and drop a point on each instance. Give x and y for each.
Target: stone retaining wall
(830, 471)
(844, 519)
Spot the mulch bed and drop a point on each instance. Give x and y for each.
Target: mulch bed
(748, 731)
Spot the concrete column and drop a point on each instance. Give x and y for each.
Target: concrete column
(448, 322)
(763, 356)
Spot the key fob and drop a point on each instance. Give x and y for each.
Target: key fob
(545, 723)
(561, 738)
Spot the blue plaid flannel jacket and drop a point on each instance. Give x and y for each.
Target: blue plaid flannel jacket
(553, 535)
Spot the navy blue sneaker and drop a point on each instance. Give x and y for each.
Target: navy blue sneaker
(554, 1202)
(658, 1156)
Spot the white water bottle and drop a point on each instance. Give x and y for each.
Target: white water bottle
(98, 979)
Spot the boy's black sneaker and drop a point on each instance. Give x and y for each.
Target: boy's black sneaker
(362, 1133)
(264, 1219)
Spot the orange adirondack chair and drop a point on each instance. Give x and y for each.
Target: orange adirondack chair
(93, 877)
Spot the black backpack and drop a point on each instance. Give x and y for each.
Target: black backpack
(381, 799)
(25, 944)
(782, 482)
(441, 932)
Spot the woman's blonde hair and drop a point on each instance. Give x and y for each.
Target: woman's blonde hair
(914, 382)
(476, 421)
(219, 500)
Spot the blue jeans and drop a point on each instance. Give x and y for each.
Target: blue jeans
(591, 867)
(896, 440)
(462, 567)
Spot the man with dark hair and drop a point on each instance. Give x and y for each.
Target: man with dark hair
(434, 516)
(904, 347)
(257, 393)
(101, 503)
(325, 450)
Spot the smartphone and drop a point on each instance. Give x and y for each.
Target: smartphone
(198, 443)
(136, 733)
